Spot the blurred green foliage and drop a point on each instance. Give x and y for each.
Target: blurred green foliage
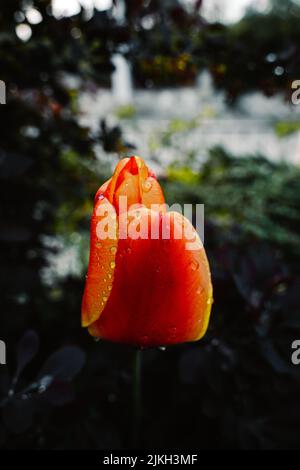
(258, 197)
(126, 112)
(285, 128)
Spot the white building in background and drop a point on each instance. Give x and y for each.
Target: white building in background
(122, 88)
(246, 129)
(227, 11)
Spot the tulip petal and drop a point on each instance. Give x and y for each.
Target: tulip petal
(101, 190)
(128, 189)
(112, 186)
(162, 292)
(152, 194)
(103, 249)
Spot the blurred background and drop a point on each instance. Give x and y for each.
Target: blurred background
(202, 91)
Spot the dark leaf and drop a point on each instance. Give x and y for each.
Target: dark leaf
(64, 364)
(198, 4)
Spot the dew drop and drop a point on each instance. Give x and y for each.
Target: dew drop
(100, 196)
(104, 298)
(194, 265)
(200, 291)
(109, 276)
(113, 250)
(112, 264)
(144, 339)
(147, 186)
(172, 332)
(109, 287)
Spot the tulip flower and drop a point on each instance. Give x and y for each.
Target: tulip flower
(146, 285)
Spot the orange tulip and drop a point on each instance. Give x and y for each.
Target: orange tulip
(143, 289)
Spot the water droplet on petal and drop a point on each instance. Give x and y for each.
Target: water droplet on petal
(109, 276)
(104, 298)
(100, 196)
(172, 332)
(200, 290)
(147, 186)
(113, 250)
(144, 339)
(194, 265)
(112, 264)
(109, 287)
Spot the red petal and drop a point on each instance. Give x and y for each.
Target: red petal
(162, 292)
(102, 261)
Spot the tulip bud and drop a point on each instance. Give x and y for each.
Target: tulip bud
(144, 287)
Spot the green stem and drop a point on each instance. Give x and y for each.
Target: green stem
(137, 395)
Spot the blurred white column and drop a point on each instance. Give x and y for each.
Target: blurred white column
(122, 88)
